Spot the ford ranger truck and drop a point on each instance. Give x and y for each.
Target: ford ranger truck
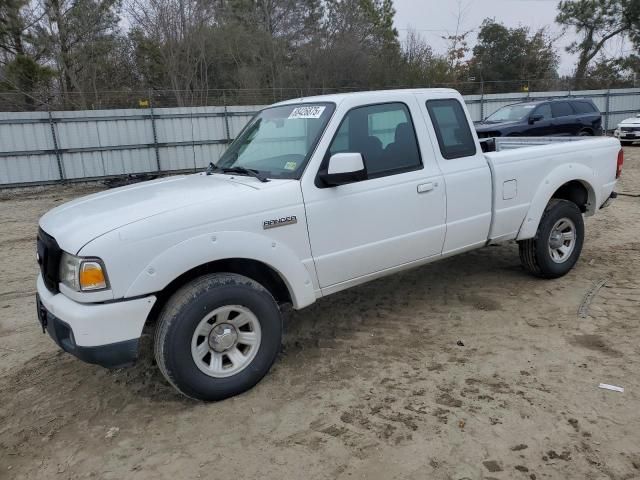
(314, 196)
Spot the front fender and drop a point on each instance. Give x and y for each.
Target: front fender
(196, 251)
(558, 177)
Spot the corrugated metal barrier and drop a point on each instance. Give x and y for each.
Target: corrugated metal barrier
(49, 147)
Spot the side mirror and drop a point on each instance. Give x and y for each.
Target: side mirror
(535, 118)
(344, 168)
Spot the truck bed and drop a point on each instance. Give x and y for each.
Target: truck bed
(498, 144)
(521, 165)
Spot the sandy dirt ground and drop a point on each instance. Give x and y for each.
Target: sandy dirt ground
(371, 383)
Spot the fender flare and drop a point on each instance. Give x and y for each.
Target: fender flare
(196, 251)
(559, 176)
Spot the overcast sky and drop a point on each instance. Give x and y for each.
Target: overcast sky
(435, 18)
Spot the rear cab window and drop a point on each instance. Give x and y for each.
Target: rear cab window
(452, 128)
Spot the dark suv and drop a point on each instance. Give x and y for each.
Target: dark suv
(575, 117)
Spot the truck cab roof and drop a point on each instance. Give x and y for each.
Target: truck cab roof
(337, 98)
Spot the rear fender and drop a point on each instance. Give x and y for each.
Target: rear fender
(197, 251)
(558, 177)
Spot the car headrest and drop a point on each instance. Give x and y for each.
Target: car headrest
(403, 132)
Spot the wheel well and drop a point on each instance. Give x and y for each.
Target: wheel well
(258, 271)
(587, 129)
(576, 192)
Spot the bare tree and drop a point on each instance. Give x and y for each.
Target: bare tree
(170, 36)
(457, 42)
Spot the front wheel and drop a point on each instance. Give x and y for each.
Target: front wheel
(218, 336)
(558, 242)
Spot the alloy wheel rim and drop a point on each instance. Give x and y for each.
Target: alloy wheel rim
(226, 341)
(562, 240)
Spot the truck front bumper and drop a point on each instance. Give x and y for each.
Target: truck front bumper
(627, 136)
(106, 334)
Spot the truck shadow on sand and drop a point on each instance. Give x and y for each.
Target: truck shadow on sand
(476, 281)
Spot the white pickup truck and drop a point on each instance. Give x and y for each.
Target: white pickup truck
(316, 195)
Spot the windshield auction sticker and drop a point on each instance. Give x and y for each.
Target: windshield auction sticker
(309, 111)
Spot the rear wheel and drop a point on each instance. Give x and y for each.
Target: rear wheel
(558, 242)
(586, 133)
(218, 336)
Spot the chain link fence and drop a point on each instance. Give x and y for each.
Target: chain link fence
(158, 135)
(11, 101)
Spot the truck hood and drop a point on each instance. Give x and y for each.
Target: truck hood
(630, 122)
(76, 223)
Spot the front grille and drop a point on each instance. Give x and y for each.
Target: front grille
(49, 254)
(630, 129)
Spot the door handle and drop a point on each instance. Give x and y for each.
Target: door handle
(426, 187)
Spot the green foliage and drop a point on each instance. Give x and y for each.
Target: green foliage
(612, 72)
(512, 54)
(596, 22)
(24, 71)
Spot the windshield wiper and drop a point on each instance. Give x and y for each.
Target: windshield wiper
(212, 168)
(239, 170)
(246, 171)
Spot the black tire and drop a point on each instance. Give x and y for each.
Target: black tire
(182, 314)
(535, 254)
(586, 133)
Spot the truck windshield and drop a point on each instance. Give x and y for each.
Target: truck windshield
(278, 141)
(511, 113)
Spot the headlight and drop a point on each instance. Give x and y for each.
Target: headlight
(82, 274)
